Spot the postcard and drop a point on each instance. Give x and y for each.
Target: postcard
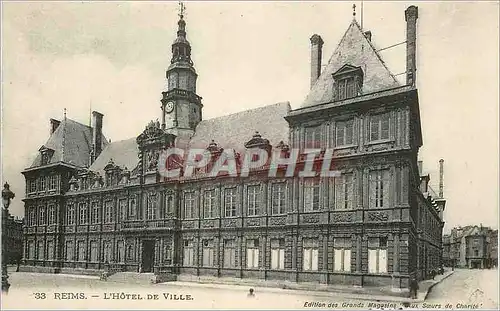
(250, 155)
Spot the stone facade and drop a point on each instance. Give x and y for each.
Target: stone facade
(370, 225)
(473, 247)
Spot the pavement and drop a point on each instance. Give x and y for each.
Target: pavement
(315, 290)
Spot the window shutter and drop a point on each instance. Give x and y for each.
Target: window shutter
(347, 260)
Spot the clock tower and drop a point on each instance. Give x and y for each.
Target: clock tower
(181, 106)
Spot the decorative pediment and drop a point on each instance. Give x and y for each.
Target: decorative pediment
(213, 148)
(154, 135)
(284, 147)
(347, 70)
(111, 166)
(46, 154)
(258, 142)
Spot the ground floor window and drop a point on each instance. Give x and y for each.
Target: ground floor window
(94, 251)
(130, 252)
(120, 251)
(188, 259)
(50, 250)
(208, 253)
(107, 251)
(377, 255)
(69, 251)
(342, 254)
(253, 253)
(81, 251)
(41, 250)
(278, 254)
(229, 254)
(310, 254)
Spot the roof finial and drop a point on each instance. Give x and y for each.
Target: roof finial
(354, 10)
(64, 113)
(182, 9)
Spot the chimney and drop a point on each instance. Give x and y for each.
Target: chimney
(53, 125)
(441, 173)
(420, 167)
(411, 15)
(316, 54)
(368, 35)
(96, 134)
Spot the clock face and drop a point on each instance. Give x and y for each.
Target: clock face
(169, 107)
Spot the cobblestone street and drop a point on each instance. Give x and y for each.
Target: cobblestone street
(466, 287)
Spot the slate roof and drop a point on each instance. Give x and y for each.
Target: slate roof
(231, 131)
(125, 153)
(356, 50)
(234, 130)
(77, 138)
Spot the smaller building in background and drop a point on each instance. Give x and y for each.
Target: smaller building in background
(473, 247)
(12, 236)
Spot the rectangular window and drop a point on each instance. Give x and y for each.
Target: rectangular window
(41, 215)
(81, 250)
(108, 210)
(42, 184)
(96, 212)
(344, 192)
(122, 206)
(253, 200)
(132, 208)
(230, 202)
(189, 211)
(169, 205)
(313, 137)
(188, 259)
(50, 250)
(342, 254)
(120, 251)
(311, 194)
(32, 216)
(209, 204)
(377, 255)
(70, 214)
(32, 185)
(253, 253)
(344, 133)
(31, 249)
(229, 254)
(94, 251)
(379, 127)
(208, 253)
(84, 213)
(52, 182)
(41, 251)
(130, 252)
(379, 188)
(310, 254)
(152, 207)
(70, 252)
(52, 214)
(107, 247)
(278, 254)
(346, 88)
(278, 198)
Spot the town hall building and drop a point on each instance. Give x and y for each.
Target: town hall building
(93, 205)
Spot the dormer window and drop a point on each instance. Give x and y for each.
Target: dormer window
(46, 155)
(348, 82)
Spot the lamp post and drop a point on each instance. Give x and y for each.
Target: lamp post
(7, 195)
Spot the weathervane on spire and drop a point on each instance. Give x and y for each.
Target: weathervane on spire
(182, 9)
(354, 10)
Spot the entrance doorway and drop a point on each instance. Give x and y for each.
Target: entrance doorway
(148, 255)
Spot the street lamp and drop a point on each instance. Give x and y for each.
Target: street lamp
(7, 195)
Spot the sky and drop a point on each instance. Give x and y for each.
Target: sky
(112, 56)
